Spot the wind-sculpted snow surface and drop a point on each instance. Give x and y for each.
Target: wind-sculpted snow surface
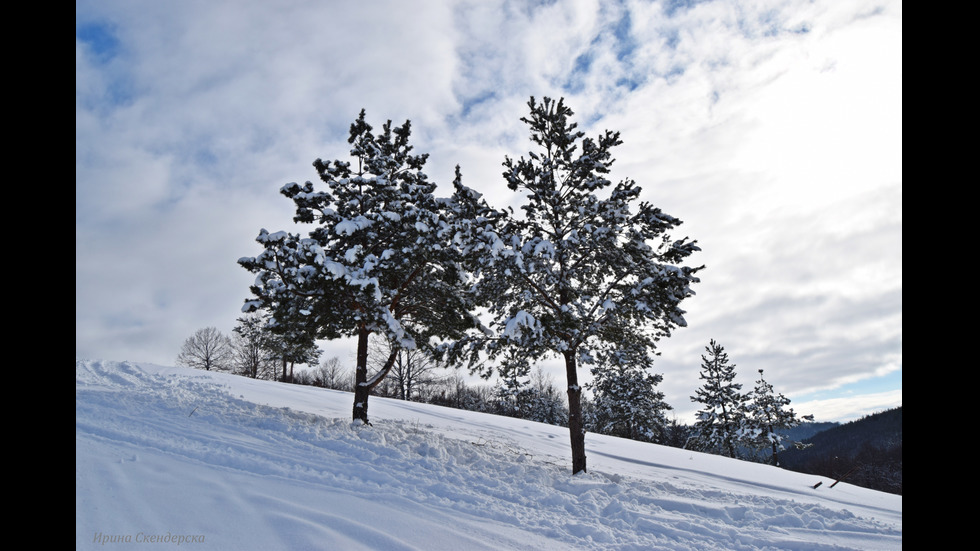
(214, 461)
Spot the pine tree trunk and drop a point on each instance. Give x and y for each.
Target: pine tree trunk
(576, 427)
(361, 390)
(363, 387)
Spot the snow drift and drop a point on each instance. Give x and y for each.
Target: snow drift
(202, 460)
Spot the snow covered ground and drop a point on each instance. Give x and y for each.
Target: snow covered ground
(169, 457)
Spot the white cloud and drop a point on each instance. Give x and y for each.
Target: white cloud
(773, 129)
(850, 408)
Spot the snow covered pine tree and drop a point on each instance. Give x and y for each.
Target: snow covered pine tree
(720, 425)
(768, 416)
(378, 260)
(627, 403)
(580, 275)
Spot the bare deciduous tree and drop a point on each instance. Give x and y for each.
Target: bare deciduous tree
(331, 374)
(413, 375)
(207, 349)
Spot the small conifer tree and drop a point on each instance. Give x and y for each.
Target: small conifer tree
(768, 415)
(720, 425)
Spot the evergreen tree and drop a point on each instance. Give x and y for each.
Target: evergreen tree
(676, 435)
(513, 392)
(768, 416)
(378, 260)
(547, 402)
(291, 345)
(252, 344)
(720, 424)
(626, 403)
(286, 295)
(586, 270)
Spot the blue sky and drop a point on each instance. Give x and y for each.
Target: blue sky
(773, 129)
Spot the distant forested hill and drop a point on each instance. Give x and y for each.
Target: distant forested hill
(866, 452)
(806, 430)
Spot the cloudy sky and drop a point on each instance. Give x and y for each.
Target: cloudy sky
(772, 128)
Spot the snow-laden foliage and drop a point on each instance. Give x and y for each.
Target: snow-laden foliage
(626, 403)
(587, 270)
(378, 260)
(769, 416)
(721, 422)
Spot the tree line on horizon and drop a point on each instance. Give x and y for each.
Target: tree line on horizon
(866, 452)
(751, 426)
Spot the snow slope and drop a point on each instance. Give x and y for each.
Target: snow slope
(170, 457)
